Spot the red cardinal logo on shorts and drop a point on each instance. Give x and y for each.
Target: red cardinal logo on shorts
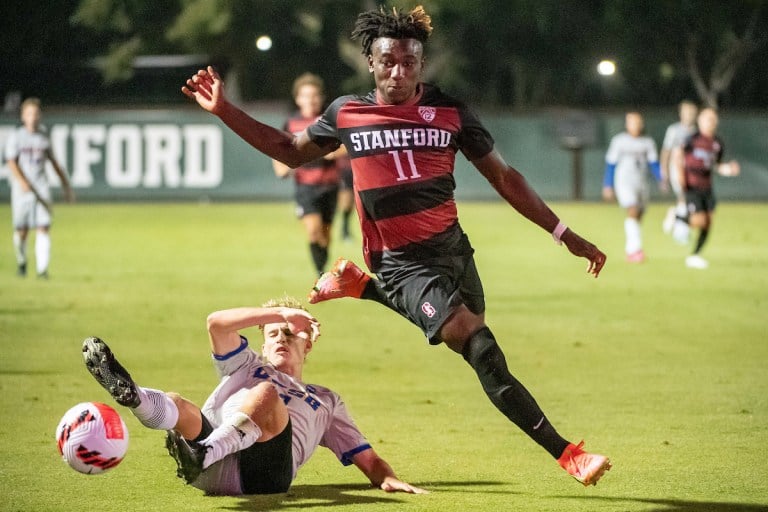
(428, 310)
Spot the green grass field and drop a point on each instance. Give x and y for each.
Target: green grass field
(663, 368)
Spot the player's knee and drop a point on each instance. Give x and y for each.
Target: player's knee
(261, 398)
(480, 348)
(177, 399)
(189, 420)
(460, 327)
(266, 409)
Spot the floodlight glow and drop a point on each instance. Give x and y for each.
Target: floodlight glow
(264, 43)
(606, 67)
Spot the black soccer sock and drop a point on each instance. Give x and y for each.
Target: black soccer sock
(373, 291)
(703, 233)
(345, 223)
(319, 256)
(508, 395)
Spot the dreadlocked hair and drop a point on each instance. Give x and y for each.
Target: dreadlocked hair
(370, 25)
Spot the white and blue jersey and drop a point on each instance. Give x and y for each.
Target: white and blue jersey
(626, 167)
(318, 415)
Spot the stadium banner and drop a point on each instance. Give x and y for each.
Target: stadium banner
(187, 154)
(157, 155)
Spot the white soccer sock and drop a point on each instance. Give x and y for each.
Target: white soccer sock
(238, 432)
(42, 251)
(156, 409)
(20, 247)
(634, 239)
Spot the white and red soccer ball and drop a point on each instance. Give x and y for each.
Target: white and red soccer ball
(92, 438)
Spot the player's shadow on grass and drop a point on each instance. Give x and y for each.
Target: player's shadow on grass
(306, 496)
(672, 505)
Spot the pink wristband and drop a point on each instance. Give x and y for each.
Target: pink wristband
(558, 232)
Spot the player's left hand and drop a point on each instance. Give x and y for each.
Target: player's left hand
(394, 485)
(582, 248)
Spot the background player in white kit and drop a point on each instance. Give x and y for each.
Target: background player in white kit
(676, 220)
(262, 422)
(629, 156)
(27, 150)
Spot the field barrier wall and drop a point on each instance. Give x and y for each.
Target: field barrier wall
(187, 154)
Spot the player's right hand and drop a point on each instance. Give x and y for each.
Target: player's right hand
(207, 88)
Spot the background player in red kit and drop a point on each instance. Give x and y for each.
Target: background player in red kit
(317, 182)
(696, 160)
(402, 139)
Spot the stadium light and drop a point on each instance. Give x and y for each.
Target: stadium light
(264, 43)
(606, 67)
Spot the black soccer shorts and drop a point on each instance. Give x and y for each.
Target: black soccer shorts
(265, 468)
(700, 200)
(428, 292)
(320, 199)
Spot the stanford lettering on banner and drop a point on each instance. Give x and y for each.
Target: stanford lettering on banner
(147, 156)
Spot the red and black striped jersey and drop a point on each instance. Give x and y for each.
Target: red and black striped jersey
(702, 154)
(403, 160)
(316, 172)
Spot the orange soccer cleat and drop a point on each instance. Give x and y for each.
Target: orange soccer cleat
(345, 279)
(585, 467)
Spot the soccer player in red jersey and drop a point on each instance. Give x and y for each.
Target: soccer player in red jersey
(317, 182)
(402, 139)
(696, 160)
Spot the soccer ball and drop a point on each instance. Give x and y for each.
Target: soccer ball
(92, 438)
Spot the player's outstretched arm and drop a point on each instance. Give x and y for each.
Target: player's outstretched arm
(207, 88)
(380, 473)
(512, 186)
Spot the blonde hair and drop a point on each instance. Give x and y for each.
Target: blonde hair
(30, 102)
(286, 301)
(308, 79)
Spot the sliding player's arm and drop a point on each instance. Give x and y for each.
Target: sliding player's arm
(381, 474)
(224, 326)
